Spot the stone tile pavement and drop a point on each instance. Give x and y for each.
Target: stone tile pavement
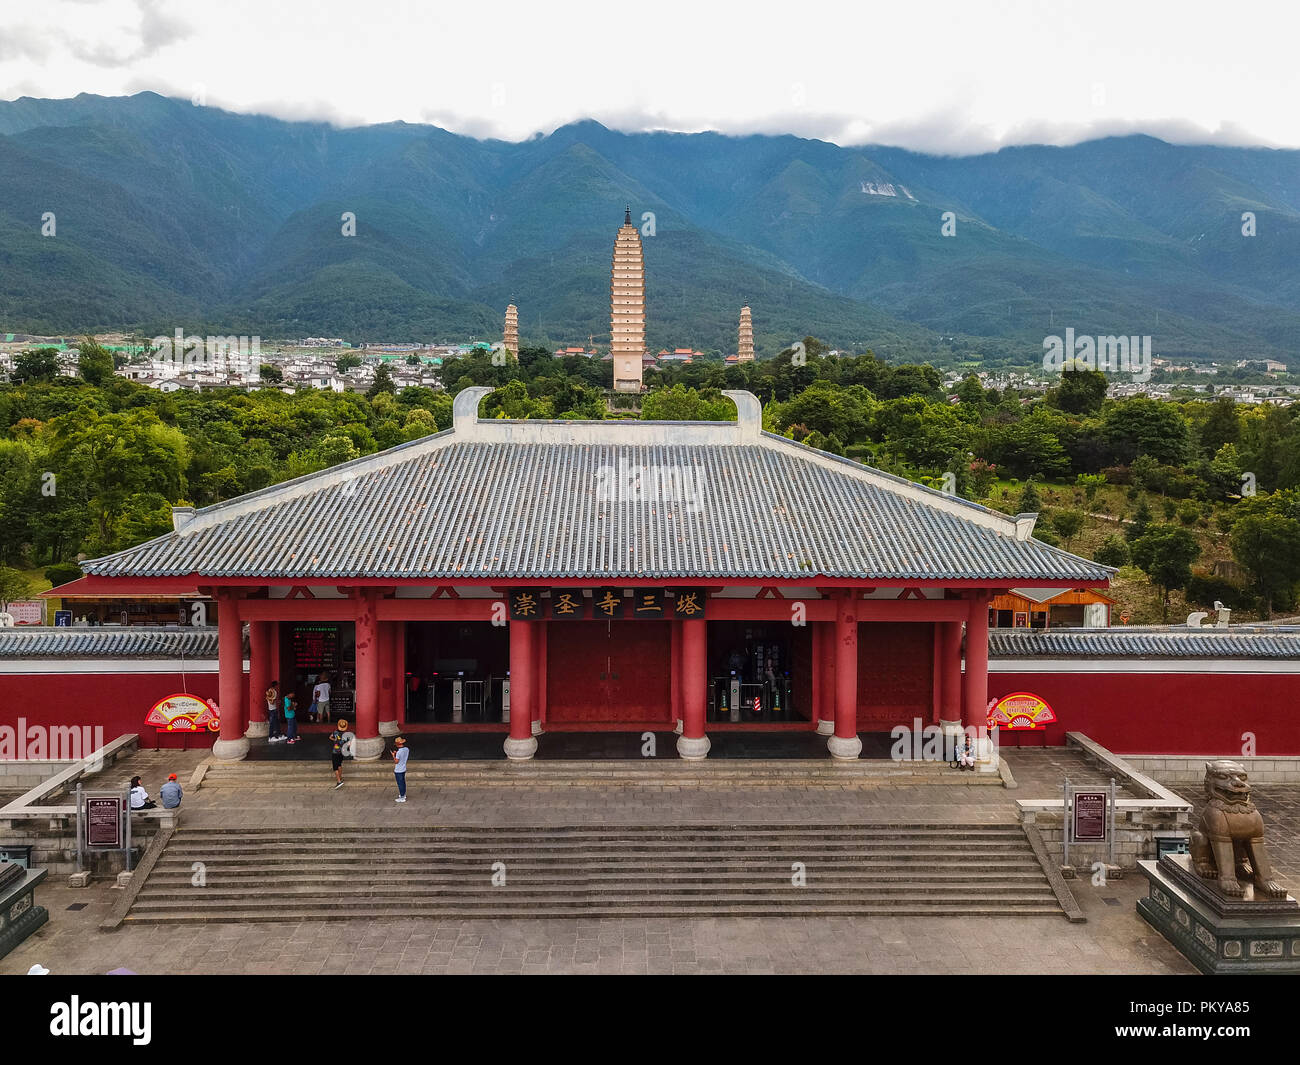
(1114, 940)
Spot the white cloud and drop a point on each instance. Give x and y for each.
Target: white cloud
(929, 75)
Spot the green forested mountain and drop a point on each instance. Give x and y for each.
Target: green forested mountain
(173, 215)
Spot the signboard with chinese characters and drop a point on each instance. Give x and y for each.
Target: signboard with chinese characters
(103, 821)
(607, 603)
(1020, 710)
(648, 603)
(525, 604)
(315, 648)
(28, 612)
(1089, 816)
(688, 604)
(184, 713)
(567, 604)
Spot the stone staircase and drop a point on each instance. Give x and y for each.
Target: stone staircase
(642, 871)
(663, 772)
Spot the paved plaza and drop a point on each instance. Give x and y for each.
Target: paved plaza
(1114, 939)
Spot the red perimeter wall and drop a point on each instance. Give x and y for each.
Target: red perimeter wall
(116, 701)
(1130, 713)
(1163, 713)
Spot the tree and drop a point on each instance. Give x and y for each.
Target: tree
(62, 572)
(1166, 554)
(39, 364)
(14, 585)
(344, 363)
(412, 359)
(1268, 546)
(94, 363)
(271, 373)
(1030, 501)
(680, 403)
(383, 381)
(1081, 391)
(1141, 520)
(1068, 523)
(1090, 482)
(1113, 552)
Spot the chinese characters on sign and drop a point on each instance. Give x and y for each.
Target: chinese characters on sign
(689, 604)
(525, 604)
(1089, 816)
(607, 604)
(566, 603)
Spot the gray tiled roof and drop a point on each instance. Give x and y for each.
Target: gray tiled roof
(522, 499)
(1153, 642)
(98, 642)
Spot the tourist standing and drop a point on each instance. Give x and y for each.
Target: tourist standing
(291, 716)
(337, 738)
(400, 756)
(274, 726)
(320, 698)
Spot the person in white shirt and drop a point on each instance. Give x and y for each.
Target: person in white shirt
(400, 756)
(139, 797)
(320, 699)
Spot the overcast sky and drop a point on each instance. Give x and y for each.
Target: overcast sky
(935, 76)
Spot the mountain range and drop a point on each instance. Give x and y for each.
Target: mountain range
(169, 215)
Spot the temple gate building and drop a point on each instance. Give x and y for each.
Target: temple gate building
(622, 575)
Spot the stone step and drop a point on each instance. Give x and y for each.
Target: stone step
(586, 871)
(882, 830)
(588, 911)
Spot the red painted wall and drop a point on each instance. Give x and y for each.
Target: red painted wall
(1163, 713)
(598, 673)
(895, 674)
(116, 701)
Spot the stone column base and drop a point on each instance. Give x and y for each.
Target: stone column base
(826, 727)
(230, 750)
(388, 728)
(520, 750)
(537, 727)
(844, 748)
(679, 726)
(693, 750)
(257, 730)
(368, 750)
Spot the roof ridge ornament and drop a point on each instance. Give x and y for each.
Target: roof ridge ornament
(464, 409)
(749, 412)
(1025, 525)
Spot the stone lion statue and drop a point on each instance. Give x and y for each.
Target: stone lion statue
(1229, 844)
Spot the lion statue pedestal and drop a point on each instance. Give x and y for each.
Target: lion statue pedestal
(1219, 905)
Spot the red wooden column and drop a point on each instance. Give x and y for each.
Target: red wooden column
(370, 744)
(521, 745)
(693, 745)
(399, 659)
(259, 677)
(390, 685)
(232, 744)
(675, 674)
(949, 678)
(539, 673)
(845, 743)
(976, 688)
(824, 671)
